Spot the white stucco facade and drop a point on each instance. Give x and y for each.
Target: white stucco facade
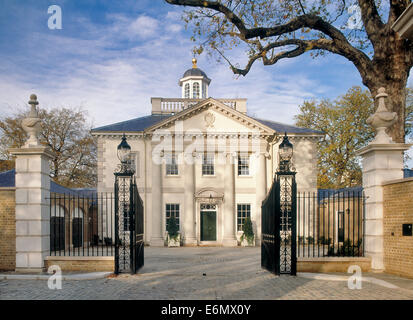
(222, 130)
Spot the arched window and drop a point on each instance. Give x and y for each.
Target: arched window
(77, 227)
(203, 90)
(187, 91)
(196, 90)
(57, 227)
(57, 211)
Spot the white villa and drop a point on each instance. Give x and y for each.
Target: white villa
(205, 161)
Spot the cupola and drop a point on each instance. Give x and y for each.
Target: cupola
(194, 83)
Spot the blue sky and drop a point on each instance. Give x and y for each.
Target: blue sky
(111, 56)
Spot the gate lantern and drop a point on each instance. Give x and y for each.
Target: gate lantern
(128, 215)
(278, 249)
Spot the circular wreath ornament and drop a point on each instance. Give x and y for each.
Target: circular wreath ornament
(209, 120)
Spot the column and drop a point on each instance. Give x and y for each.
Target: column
(381, 162)
(32, 208)
(261, 178)
(229, 213)
(189, 206)
(157, 238)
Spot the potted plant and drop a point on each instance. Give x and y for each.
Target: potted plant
(174, 237)
(248, 238)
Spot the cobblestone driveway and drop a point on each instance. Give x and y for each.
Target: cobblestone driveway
(203, 273)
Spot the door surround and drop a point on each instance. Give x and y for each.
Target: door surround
(213, 198)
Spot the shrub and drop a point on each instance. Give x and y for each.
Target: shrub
(248, 231)
(173, 229)
(310, 240)
(347, 249)
(324, 240)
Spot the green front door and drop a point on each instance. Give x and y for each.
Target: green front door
(208, 226)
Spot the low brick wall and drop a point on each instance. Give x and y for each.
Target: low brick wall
(398, 209)
(329, 264)
(84, 264)
(7, 229)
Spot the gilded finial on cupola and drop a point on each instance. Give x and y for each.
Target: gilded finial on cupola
(194, 63)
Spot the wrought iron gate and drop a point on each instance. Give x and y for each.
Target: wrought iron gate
(278, 245)
(129, 244)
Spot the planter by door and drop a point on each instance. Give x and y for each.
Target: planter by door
(208, 226)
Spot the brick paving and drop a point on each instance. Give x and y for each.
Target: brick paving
(204, 273)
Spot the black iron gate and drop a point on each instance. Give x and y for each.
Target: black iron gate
(279, 214)
(278, 245)
(129, 243)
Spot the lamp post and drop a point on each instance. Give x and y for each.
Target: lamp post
(124, 151)
(286, 184)
(285, 154)
(124, 212)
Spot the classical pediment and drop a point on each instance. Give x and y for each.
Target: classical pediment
(209, 195)
(211, 116)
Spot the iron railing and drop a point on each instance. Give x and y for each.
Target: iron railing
(82, 224)
(330, 223)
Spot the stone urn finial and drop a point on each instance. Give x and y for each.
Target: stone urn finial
(31, 124)
(382, 119)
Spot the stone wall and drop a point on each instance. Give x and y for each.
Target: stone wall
(7, 229)
(398, 210)
(84, 264)
(332, 264)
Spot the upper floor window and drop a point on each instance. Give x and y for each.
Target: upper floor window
(208, 165)
(243, 165)
(195, 90)
(187, 89)
(171, 165)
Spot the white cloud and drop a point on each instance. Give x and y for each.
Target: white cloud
(173, 27)
(114, 81)
(143, 27)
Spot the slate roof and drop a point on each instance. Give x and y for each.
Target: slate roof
(194, 72)
(281, 127)
(407, 173)
(8, 180)
(137, 124)
(140, 124)
(342, 193)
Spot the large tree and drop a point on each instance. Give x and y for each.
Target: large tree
(272, 30)
(344, 123)
(66, 132)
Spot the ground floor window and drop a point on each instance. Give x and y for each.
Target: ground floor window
(172, 210)
(243, 212)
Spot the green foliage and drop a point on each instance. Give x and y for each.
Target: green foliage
(344, 123)
(173, 228)
(248, 231)
(214, 33)
(67, 134)
(324, 241)
(310, 240)
(346, 249)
